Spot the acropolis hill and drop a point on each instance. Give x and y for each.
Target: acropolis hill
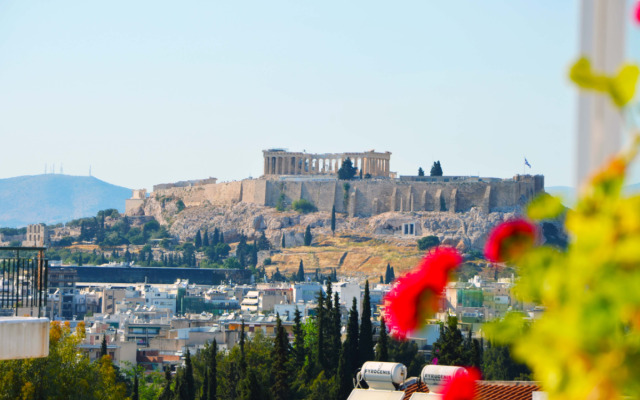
(290, 176)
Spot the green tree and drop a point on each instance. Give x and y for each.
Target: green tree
(300, 274)
(135, 395)
(166, 391)
(333, 220)
(366, 330)
(498, 365)
(103, 346)
(243, 359)
(66, 373)
(249, 388)
(263, 242)
(406, 352)
(198, 240)
(205, 238)
(420, 172)
(212, 368)
(428, 242)
(334, 336)
(280, 206)
(298, 341)
(347, 171)
(321, 321)
(436, 169)
(280, 388)
(449, 349)
(283, 241)
(382, 347)
(232, 263)
(350, 354)
(307, 236)
(188, 377)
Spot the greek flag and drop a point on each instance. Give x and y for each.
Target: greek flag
(527, 163)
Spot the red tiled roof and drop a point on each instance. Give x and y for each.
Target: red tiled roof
(417, 387)
(494, 390)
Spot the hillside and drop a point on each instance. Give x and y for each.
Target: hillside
(54, 198)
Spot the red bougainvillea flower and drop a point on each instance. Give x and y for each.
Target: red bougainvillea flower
(636, 12)
(415, 295)
(461, 386)
(509, 240)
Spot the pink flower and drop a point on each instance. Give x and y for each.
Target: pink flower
(509, 240)
(434, 361)
(461, 386)
(636, 13)
(415, 295)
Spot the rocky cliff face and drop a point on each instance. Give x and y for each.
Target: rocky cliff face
(465, 230)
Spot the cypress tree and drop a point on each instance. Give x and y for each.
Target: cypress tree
(336, 337)
(103, 346)
(135, 395)
(349, 358)
(205, 238)
(387, 274)
(366, 331)
(283, 242)
(263, 242)
(243, 361)
(181, 391)
(221, 237)
(298, 341)
(216, 237)
(166, 391)
(188, 377)
(249, 388)
(333, 219)
(300, 275)
(205, 385)
(198, 240)
(241, 251)
(320, 320)
(213, 373)
(280, 387)
(381, 279)
(254, 254)
(307, 236)
(382, 348)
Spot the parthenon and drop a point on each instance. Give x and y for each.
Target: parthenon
(283, 162)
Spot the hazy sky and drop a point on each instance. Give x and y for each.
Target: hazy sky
(148, 92)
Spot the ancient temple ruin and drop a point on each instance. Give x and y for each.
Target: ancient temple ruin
(283, 162)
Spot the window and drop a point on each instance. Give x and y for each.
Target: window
(409, 229)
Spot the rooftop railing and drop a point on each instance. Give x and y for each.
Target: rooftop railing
(23, 281)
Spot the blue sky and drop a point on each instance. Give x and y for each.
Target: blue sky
(148, 92)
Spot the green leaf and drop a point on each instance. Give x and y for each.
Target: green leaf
(544, 207)
(623, 86)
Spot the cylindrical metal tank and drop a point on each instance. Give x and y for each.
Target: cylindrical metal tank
(435, 376)
(383, 372)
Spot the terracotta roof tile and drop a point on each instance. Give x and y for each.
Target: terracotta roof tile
(417, 387)
(494, 390)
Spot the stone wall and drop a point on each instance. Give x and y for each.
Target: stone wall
(369, 197)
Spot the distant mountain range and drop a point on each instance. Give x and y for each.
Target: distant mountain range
(54, 198)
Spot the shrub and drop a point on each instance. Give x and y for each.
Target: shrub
(428, 242)
(303, 206)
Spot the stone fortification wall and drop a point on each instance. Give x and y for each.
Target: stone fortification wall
(218, 194)
(369, 197)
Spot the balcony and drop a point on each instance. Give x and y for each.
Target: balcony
(23, 284)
